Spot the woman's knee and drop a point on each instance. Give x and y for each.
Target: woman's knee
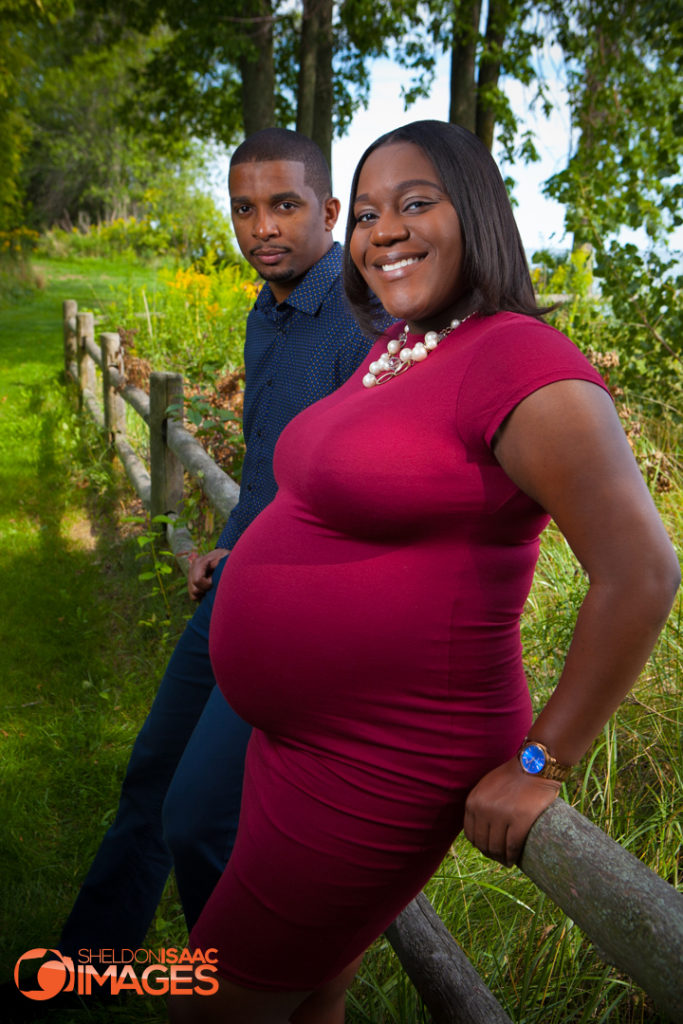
(325, 1005)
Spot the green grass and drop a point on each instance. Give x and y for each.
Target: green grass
(78, 672)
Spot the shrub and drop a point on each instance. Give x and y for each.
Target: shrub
(17, 277)
(623, 308)
(144, 238)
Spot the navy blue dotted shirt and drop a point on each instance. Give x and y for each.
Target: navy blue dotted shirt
(296, 352)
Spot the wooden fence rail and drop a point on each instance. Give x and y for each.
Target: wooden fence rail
(633, 917)
(172, 448)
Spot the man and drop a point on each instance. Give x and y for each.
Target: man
(180, 798)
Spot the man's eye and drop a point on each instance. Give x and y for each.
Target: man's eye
(364, 218)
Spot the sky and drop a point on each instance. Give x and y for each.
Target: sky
(540, 220)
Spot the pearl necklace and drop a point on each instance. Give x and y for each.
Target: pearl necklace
(398, 357)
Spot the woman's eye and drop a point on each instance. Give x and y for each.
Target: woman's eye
(364, 218)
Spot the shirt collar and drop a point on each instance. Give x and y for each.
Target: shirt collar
(309, 294)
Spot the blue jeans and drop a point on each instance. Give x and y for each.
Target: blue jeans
(179, 804)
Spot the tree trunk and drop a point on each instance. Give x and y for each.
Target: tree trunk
(257, 70)
(322, 120)
(593, 115)
(489, 69)
(463, 106)
(308, 53)
(315, 93)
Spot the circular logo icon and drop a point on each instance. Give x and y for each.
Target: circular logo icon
(51, 977)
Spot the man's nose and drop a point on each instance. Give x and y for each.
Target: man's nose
(265, 224)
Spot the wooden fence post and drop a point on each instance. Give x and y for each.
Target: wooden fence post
(166, 469)
(86, 367)
(447, 982)
(114, 405)
(69, 311)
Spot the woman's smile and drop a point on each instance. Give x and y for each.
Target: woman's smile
(396, 264)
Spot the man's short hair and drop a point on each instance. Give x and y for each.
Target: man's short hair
(284, 144)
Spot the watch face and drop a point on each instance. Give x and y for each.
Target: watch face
(532, 759)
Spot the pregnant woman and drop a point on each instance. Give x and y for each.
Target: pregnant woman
(367, 623)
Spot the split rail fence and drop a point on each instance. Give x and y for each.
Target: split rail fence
(633, 917)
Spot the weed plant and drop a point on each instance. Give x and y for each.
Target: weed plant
(192, 322)
(192, 318)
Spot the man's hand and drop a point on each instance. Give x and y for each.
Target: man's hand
(200, 576)
(501, 809)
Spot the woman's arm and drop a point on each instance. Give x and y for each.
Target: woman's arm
(565, 448)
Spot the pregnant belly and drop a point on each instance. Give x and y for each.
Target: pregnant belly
(363, 647)
(311, 639)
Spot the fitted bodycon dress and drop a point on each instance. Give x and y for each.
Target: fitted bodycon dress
(367, 626)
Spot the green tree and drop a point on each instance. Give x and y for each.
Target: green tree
(214, 75)
(624, 61)
(16, 16)
(84, 162)
(482, 51)
(485, 43)
(229, 68)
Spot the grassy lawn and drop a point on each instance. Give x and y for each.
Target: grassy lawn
(78, 672)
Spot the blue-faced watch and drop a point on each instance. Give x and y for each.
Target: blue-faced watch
(536, 759)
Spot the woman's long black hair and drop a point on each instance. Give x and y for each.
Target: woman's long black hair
(494, 262)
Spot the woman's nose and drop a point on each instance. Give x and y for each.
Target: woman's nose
(389, 227)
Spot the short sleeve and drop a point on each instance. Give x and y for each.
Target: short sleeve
(516, 356)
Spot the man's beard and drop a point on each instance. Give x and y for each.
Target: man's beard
(275, 274)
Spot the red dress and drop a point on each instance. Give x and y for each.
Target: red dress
(367, 626)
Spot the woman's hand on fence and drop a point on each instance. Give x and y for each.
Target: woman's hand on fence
(200, 575)
(501, 809)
